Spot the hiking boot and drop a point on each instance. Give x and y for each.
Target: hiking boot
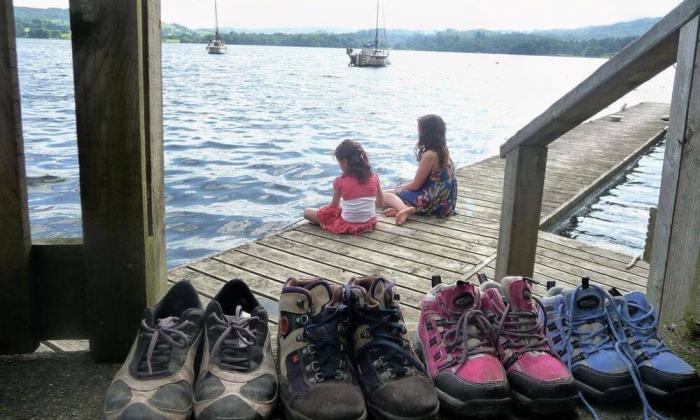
(538, 379)
(155, 381)
(237, 378)
(663, 374)
(392, 378)
(579, 332)
(455, 340)
(316, 377)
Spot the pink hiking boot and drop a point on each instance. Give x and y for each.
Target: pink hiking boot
(455, 339)
(538, 380)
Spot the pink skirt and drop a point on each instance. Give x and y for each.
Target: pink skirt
(331, 220)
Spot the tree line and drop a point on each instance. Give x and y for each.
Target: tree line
(477, 41)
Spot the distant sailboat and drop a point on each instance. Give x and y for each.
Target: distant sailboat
(371, 55)
(216, 45)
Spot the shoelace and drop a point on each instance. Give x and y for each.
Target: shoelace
(645, 325)
(457, 336)
(512, 324)
(617, 342)
(323, 335)
(385, 329)
(167, 333)
(233, 351)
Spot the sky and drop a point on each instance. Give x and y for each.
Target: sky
(403, 14)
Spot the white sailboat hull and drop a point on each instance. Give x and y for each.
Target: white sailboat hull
(216, 49)
(369, 57)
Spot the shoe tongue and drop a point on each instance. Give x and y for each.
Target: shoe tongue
(518, 292)
(323, 295)
(460, 297)
(590, 301)
(641, 305)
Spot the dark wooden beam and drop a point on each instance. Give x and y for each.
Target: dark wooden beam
(16, 330)
(523, 187)
(116, 62)
(638, 62)
(674, 276)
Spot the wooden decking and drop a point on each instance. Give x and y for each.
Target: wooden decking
(580, 162)
(462, 245)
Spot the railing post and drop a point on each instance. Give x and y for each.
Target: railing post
(674, 276)
(16, 329)
(117, 72)
(523, 186)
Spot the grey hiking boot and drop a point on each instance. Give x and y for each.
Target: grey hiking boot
(392, 377)
(237, 379)
(155, 381)
(317, 381)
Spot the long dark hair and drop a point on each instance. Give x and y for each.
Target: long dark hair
(354, 154)
(431, 136)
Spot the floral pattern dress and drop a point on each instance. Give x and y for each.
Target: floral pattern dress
(438, 195)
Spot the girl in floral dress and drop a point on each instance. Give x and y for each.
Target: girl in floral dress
(359, 190)
(433, 191)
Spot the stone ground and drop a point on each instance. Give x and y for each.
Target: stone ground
(69, 385)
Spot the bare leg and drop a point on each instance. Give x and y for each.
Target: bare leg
(394, 204)
(311, 214)
(403, 215)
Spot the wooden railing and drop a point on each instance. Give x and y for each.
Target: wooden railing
(675, 270)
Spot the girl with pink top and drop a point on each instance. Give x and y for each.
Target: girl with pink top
(359, 190)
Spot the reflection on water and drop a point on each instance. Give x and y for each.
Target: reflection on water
(249, 135)
(618, 219)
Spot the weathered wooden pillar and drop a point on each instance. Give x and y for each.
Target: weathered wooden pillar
(674, 276)
(16, 330)
(523, 186)
(117, 71)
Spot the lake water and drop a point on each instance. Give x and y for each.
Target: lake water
(249, 135)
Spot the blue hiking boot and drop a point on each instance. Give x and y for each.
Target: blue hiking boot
(580, 333)
(662, 373)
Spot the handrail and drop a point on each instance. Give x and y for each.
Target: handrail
(635, 64)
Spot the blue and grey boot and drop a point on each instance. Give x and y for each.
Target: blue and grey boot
(316, 377)
(392, 377)
(579, 331)
(237, 378)
(662, 373)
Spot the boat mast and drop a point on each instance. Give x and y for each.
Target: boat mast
(216, 21)
(376, 30)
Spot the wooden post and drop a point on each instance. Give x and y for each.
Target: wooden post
(16, 331)
(523, 186)
(117, 72)
(675, 266)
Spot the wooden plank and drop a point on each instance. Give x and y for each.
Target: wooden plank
(445, 230)
(433, 238)
(649, 240)
(116, 65)
(587, 249)
(635, 64)
(522, 203)
(676, 254)
(16, 331)
(58, 274)
(347, 262)
(680, 104)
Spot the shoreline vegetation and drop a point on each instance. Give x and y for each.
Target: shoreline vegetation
(599, 41)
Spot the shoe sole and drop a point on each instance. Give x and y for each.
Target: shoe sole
(690, 393)
(545, 405)
(476, 407)
(619, 393)
(383, 415)
(295, 415)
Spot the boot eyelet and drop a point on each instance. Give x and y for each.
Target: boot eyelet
(301, 303)
(303, 320)
(317, 377)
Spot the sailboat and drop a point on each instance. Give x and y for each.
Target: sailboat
(371, 54)
(216, 45)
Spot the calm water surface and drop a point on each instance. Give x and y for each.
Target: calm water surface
(249, 135)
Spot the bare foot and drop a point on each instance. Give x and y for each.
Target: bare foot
(403, 215)
(390, 212)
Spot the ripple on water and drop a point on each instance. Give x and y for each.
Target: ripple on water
(249, 135)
